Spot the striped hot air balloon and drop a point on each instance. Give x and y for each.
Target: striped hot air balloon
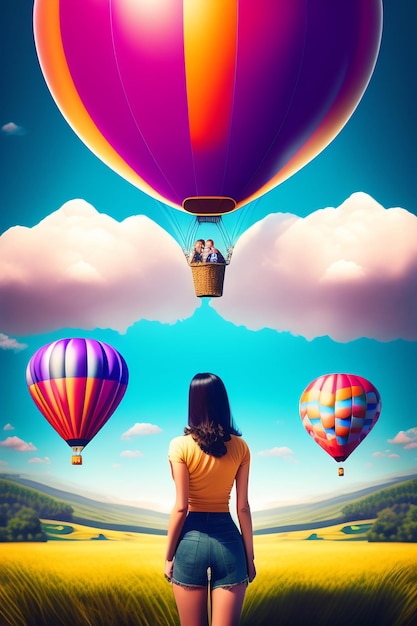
(77, 384)
(207, 104)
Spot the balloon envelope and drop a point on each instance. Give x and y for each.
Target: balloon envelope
(338, 411)
(207, 104)
(77, 384)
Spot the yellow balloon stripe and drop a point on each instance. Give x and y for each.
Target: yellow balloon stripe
(210, 31)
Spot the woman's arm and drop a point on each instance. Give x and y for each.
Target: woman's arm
(178, 513)
(245, 517)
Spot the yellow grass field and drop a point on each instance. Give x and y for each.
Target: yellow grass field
(120, 583)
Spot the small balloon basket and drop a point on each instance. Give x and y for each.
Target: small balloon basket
(208, 279)
(340, 471)
(76, 458)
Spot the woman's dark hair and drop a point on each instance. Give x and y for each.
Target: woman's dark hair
(209, 418)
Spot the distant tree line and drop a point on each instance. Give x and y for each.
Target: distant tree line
(21, 509)
(395, 510)
(398, 523)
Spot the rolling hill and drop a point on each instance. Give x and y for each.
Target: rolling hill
(110, 516)
(89, 512)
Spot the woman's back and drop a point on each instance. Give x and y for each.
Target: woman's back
(211, 478)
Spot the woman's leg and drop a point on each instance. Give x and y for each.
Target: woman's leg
(226, 605)
(192, 605)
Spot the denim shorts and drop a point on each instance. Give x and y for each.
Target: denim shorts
(210, 548)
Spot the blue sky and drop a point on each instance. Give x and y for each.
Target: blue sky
(266, 348)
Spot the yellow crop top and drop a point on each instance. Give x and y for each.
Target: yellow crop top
(211, 478)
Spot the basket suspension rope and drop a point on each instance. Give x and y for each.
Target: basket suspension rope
(172, 218)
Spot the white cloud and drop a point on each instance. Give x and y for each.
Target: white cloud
(345, 272)
(8, 343)
(131, 453)
(140, 429)
(406, 438)
(17, 444)
(38, 460)
(12, 129)
(387, 454)
(283, 452)
(92, 272)
(8, 427)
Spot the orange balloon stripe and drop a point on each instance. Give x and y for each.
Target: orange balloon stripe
(210, 32)
(344, 394)
(58, 393)
(41, 404)
(313, 411)
(328, 420)
(342, 431)
(74, 391)
(62, 392)
(344, 412)
(91, 392)
(57, 75)
(50, 406)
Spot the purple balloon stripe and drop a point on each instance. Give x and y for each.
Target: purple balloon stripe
(129, 101)
(268, 65)
(107, 401)
(330, 80)
(155, 88)
(75, 358)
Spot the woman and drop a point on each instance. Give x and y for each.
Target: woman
(204, 544)
(197, 254)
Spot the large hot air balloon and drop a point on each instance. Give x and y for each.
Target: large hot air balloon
(338, 411)
(77, 384)
(206, 105)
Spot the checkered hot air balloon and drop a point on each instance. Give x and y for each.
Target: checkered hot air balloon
(77, 384)
(338, 411)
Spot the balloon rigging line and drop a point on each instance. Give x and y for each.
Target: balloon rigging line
(172, 219)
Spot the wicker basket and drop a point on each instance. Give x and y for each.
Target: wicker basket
(208, 279)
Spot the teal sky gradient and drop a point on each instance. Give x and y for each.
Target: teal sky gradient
(264, 371)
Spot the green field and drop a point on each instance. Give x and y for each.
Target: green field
(77, 581)
(76, 532)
